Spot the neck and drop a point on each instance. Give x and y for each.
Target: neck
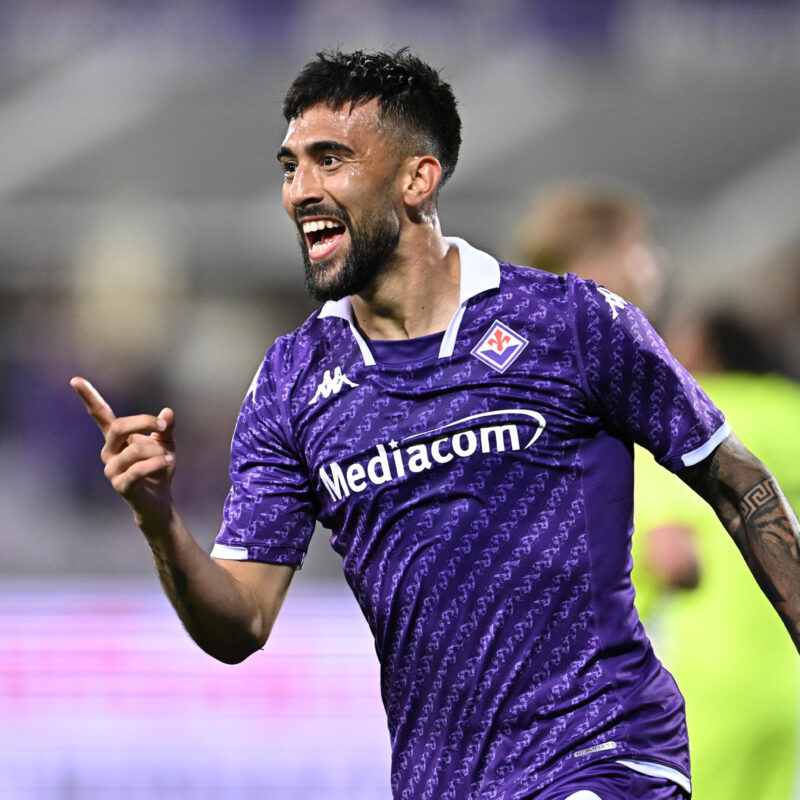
(417, 294)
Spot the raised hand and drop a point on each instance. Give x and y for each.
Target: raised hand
(228, 607)
(139, 454)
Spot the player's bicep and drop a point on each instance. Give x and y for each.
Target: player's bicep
(266, 584)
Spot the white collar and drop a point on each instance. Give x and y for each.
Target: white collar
(479, 273)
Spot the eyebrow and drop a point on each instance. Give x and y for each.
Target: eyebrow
(326, 145)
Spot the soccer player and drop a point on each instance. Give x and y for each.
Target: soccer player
(464, 428)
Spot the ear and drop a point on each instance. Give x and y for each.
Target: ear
(421, 175)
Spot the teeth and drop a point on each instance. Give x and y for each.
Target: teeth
(319, 224)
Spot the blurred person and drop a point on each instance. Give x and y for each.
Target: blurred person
(126, 290)
(742, 694)
(744, 739)
(464, 427)
(602, 234)
(776, 306)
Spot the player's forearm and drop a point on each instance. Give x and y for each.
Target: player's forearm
(755, 512)
(767, 532)
(219, 613)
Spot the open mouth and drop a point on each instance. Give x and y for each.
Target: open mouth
(322, 236)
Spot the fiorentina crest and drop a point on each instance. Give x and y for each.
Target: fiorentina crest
(499, 347)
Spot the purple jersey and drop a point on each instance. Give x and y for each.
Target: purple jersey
(480, 495)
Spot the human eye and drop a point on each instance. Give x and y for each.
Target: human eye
(288, 168)
(329, 160)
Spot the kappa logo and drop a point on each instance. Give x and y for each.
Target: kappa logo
(331, 384)
(615, 302)
(499, 347)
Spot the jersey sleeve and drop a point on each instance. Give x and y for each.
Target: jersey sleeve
(268, 514)
(640, 389)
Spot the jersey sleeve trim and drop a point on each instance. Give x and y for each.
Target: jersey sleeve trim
(705, 450)
(268, 554)
(229, 552)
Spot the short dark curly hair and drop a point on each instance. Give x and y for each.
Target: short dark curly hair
(411, 96)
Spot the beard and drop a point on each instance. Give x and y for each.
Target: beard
(373, 240)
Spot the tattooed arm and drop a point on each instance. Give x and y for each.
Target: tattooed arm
(751, 506)
(228, 607)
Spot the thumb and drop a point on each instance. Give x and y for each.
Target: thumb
(167, 435)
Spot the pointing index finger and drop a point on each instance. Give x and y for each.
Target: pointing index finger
(98, 409)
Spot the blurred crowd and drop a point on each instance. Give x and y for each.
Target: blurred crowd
(126, 318)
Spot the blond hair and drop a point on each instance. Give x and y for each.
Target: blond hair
(567, 221)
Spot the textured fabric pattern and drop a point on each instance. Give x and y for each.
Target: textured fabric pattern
(484, 519)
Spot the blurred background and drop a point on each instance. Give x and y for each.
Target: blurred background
(143, 245)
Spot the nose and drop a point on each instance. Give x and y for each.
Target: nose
(305, 186)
